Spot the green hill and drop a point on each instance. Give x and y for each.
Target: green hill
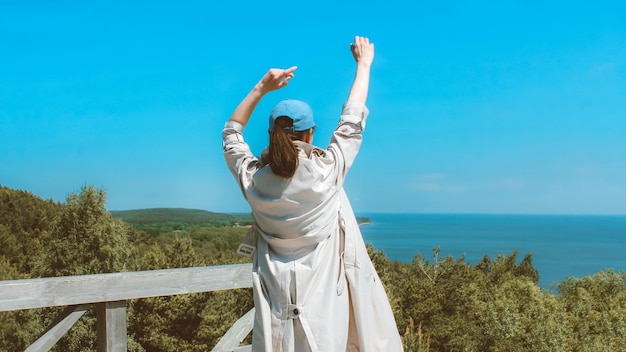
(187, 216)
(178, 215)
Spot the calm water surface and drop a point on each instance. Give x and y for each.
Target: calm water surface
(562, 245)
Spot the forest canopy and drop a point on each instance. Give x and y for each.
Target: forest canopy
(440, 303)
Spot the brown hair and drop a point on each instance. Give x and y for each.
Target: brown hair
(282, 155)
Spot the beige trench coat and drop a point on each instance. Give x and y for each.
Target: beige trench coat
(315, 288)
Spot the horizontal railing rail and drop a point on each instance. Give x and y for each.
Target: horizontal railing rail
(109, 293)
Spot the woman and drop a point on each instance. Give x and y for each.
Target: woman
(315, 288)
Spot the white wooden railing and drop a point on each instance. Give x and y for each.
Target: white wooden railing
(110, 292)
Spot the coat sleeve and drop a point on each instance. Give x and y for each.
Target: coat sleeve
(239, 159)
(347, 137)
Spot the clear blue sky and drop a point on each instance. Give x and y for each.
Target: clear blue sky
(476, 107)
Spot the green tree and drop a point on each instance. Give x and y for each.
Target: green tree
(516, 315)
(192, 322)
(25, 224)
(495, 305)
(596, 309)
(87, 239)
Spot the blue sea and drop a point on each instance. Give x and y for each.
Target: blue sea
(561, 245)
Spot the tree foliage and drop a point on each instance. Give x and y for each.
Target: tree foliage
(440, 303)
(596, 310)
(447, 304)
(87, 239)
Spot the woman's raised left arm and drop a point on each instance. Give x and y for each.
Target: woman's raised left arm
(274, 79)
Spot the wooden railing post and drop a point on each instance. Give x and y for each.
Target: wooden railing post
(111, 326)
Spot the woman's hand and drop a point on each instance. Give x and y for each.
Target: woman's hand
(362, 50)
(275, 78)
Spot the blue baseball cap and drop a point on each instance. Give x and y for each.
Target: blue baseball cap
(299, 111)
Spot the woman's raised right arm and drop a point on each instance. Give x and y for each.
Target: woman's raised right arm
(363, 52)
(347, 138)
